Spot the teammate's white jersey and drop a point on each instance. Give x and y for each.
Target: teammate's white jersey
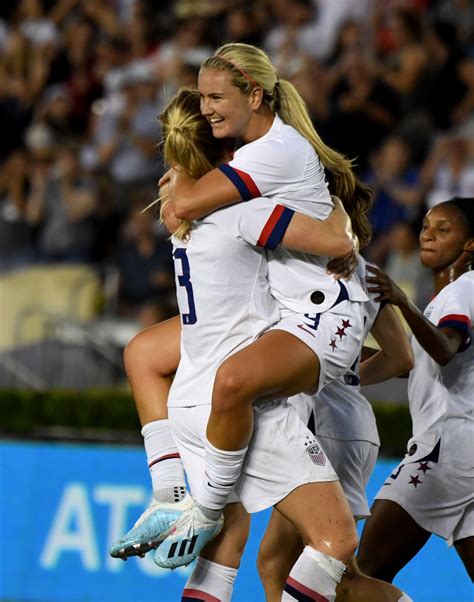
(340, 411)
(442, 397)
(222, 292)
(284, 166)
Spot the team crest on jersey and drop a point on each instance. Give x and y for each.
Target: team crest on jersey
(316, 454)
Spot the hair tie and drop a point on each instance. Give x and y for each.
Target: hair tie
(246, 75)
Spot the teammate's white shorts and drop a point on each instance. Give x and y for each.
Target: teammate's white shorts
(354, 462)
(335, 336)
(282, 455)
(438, 499)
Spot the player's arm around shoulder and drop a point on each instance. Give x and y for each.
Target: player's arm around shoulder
(332, 237)
(193, 199)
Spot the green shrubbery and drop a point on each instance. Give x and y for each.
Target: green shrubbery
(111, 415)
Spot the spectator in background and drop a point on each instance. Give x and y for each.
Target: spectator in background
(449, 170)
(403, 262)
(364, 108)
(188, 45)
(459, 13)
(15, 114)
(291, 40)
(246, 23)
(16, 233)
(443, 87)
(55, 114)
(63, 203)
(405, 66)
(397, 193)
(125, 137)
(145, 269)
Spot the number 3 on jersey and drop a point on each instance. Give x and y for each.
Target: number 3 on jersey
(185, 280)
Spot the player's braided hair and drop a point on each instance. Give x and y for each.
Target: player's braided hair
(251, 67)
(188, 142)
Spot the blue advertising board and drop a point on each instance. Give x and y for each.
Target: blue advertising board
(62, 505)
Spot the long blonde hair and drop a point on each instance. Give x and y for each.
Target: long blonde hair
(188, 143)
(251, 67)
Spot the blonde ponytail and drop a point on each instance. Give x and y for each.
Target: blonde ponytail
(251, 67)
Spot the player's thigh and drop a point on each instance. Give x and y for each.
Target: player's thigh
(276, 365)
(390, 539)
(156, 348)
(227, 548)
(321, 514)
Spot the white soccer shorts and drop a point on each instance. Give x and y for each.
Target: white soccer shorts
(282, 455)
(438, 499)
(335, 336)
(354, 462)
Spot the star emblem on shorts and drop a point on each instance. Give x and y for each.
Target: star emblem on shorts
(333, 344)
(424, 467)
(346, 324)
(340, 332)
(415, 480)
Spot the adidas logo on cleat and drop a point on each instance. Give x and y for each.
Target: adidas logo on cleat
(183, 547)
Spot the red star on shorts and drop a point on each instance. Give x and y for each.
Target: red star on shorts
(333, 344)
(424, 467)
(415, 480)
(346, 324)
(340, 333)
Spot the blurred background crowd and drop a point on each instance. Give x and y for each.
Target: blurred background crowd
(390, 84)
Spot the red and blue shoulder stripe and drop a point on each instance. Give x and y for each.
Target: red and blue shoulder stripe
(275, 228)
(458, 322)
(242, 181)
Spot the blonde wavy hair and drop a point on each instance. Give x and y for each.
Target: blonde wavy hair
(251, 67)
(188, 144)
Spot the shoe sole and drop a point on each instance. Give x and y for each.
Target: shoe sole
(140, 549)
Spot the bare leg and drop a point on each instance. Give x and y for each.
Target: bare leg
(357, 587)
(151, 358)
(465, 549)
(390, 539)
(281, 547)
(214, 573)
(321, 514)
(276, 365)
(227, 548)
(279, 550)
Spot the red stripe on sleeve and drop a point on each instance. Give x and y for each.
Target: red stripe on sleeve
(252, 187)
(457, 318)
(271, 223)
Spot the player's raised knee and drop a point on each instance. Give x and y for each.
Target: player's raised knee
(230, 387)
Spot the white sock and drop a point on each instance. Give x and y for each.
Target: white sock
(314, 576)
(209, 581)
(164, 462)
(222, 469)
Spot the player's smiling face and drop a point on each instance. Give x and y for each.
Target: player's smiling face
(225, 107)
(443, 237)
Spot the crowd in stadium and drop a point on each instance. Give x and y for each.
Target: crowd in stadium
(389, 84)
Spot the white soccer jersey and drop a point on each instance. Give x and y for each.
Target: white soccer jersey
(442, 397)
(222, 292)
(284, 166)
(340, 410)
